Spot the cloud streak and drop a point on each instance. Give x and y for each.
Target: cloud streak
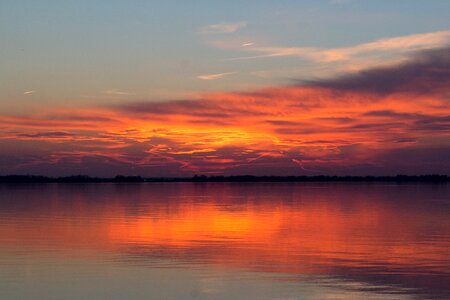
(115, 92)
(214, 76)
(223, 28)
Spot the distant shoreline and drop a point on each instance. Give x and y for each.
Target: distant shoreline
(203, 178)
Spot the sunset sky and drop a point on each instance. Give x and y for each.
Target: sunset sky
(177, 88)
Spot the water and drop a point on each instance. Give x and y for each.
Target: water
(225, 241)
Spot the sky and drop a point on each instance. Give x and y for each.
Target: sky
(163, 88)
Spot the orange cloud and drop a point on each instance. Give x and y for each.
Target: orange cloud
(380, 121)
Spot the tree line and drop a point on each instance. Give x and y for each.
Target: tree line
(205, 178)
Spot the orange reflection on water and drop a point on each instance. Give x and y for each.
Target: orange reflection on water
(286, 236)
(301, 230)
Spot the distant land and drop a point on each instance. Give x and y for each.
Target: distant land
(203, 178)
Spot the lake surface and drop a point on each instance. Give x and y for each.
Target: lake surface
(225, 241)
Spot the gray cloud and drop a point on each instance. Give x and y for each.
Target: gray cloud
(425, 72)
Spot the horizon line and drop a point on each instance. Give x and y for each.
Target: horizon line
(220, 178)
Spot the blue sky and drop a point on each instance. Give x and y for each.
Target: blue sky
(72, 52)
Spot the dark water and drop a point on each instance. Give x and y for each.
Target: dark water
(225, 241)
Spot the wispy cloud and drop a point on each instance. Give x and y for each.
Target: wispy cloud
(116, 92)
(29, 92)
(386, 47)
(214, 76)
(220, 28)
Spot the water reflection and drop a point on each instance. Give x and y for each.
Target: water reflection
(376, 240)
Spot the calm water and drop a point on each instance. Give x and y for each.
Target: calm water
(225, 241)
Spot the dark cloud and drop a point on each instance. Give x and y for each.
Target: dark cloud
(81, 118)
(415, 121)
(52, 134)
(415, 160)
(425, 72)
(392, 114)
(201, 108)
(287, 123)
(377, 127)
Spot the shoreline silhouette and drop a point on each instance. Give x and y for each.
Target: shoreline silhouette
(433, 178)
